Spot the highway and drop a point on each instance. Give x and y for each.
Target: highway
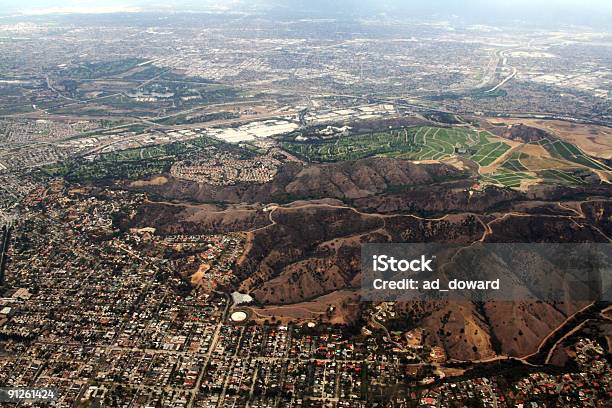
(506, 79)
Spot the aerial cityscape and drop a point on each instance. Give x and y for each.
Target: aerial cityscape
(186, 191)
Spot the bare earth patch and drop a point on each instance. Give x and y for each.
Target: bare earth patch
(196, 278)
(155, 181)
(339, 307)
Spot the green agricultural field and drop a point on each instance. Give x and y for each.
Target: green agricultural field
(101, 69)
(555, 176)
(419, 143)
(512, 171)
(567, 151)
(15, 109)
(489, 152)
(434, 143)
(514, 162)
(506, 178)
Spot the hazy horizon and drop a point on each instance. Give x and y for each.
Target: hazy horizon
(549, 12)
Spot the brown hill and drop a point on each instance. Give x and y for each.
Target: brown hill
(346, 180)
(519, 132)
(304, 253)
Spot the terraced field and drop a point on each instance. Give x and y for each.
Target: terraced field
(545, 161)
(514, 162)
(560, 163)
(567, 151)
(555, 176)
(489, 152)
(507, 178)
(419, 143)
